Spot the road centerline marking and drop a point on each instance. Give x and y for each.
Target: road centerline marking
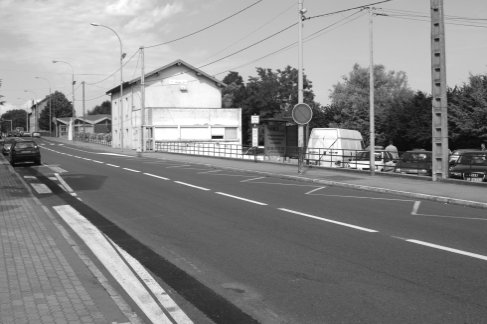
(329, 220)
(448, 249)
(241, 198)
(192, 186)
(131, 170)
(155, 176)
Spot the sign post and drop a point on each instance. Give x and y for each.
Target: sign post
(255, 120)
(302, 114)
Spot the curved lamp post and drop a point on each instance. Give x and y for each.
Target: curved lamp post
(73, 113)
(50, 104)
(122, 55)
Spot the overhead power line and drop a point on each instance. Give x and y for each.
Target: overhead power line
(308, 38)
(205, 28)
(251, 45)
(345, 10)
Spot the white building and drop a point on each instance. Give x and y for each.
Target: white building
(182, 103)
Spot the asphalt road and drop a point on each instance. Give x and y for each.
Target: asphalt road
(240, 246)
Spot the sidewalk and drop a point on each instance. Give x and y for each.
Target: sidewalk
(457, 192)
(42, 279)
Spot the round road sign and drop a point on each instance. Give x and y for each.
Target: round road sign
(302, 113)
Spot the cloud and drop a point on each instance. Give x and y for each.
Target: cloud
(152, 18)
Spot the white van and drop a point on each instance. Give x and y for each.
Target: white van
(333, 147)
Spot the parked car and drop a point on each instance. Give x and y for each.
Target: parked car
(456, 154)
(26, 134)
(470, 165)
(24, 151)
(7, 143)
(36, 134)
(384, 161)
(254, 150)
(415, 162)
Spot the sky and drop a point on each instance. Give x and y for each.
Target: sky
(219, 36)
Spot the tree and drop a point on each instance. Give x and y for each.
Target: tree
(412, 123)
(18, 118)
(269, 94)
(467, 113)
(61, 107)
(104, 109)
(350, 101)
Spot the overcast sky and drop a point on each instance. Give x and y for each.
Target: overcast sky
(33, 33)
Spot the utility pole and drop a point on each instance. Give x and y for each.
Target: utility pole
(439, 100)
(142, 100)
(84, 101)
(301, 12)
(371, 94)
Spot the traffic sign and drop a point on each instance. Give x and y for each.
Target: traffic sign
(302, 114)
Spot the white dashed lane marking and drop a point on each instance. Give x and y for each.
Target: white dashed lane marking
(329, 220)
(240, 198)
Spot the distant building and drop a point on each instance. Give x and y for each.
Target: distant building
(91, 124)
(34, 113)
(182, 103)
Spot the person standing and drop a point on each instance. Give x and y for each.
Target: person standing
(393, 149)
(482, 147)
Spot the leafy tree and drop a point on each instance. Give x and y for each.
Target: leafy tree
(269, 94)
(61, 107)
(412, 123)
(467, 113)
(235, 92)
(350, 101)
(18, 118)
(104, 109)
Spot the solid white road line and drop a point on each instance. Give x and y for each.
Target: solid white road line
(448, 249)
(314, 190)
(164, 299)
(109, 257)
(131, 170)
(114, 154)
(329, 220)
(240, 198)
(64, 184)
(192, 186)
(155, 176)
(247, 180)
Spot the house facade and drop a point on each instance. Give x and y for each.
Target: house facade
(89, 124)
(34, 114)
(182, 103)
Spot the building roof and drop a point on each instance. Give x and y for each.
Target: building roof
(89, 119)
(165, 67)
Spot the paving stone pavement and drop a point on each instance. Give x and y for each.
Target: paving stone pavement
(37, 282)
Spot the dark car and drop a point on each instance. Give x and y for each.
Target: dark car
(415, 162)
(7, 143)
(470, 166)
(24, 151)
(456, 154)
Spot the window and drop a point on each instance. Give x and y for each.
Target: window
(231, 133)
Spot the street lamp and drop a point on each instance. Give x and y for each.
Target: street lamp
(122, 55)
(34, 103)
(73, 113)
(50, 104)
